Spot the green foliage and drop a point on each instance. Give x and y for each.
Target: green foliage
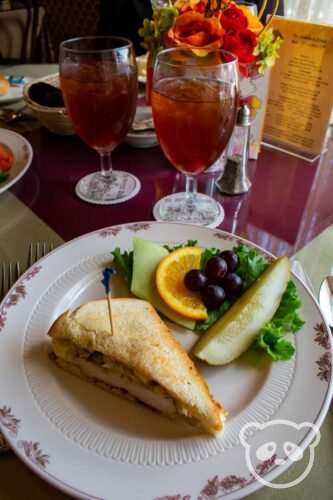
(269, 43)
(124, 263)
(153, 29)
(189, 243)
(286, 318)
(251, 265)
(3, 176)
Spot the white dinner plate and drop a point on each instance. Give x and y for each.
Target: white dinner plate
(22, 152)
(15, 92)
(91, 444)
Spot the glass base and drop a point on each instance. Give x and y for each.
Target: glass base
(95, 188)
(206, 212)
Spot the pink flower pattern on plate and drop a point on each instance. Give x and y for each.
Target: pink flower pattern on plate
(18, 293)
(110, 231)
(34, 453)
(9, 421)
(322, 336)
(217, 488)
(325, 367)
(138, 226)
(325, 361)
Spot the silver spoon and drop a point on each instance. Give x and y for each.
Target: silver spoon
(326, 299)
(10, 115)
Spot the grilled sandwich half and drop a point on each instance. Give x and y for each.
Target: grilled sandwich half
(141, 361)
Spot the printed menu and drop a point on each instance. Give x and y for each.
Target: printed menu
(300, 96)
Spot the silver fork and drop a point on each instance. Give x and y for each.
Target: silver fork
(10, 273)
(38, 250)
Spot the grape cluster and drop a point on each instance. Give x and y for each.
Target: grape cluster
(217, 281)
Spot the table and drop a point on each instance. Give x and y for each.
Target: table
(288, 210)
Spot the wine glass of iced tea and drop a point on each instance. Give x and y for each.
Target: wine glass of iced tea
(194, 101)
(98, 80)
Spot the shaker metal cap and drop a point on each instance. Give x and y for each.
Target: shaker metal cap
(243, 115)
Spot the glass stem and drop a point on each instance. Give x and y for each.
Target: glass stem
(106, 165)
(191, 192)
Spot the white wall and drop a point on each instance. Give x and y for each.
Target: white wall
(316, 11)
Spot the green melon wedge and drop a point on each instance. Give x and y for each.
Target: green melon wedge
(235, 331)
(146, 257)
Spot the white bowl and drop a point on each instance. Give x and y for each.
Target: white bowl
(54, 119)
(145, 139)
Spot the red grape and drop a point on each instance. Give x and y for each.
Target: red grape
(231, 259)
(212, 296)
(232, 284)
(195, 280)
(216, 269)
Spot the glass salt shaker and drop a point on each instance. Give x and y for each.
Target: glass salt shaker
(234, 179)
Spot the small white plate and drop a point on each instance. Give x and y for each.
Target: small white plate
(15, 92)
(22, 152)
(146, 139)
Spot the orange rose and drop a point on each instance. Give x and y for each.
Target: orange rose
(192, 29)
(253, 22)
(193, 5)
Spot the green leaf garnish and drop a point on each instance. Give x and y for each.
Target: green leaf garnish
(189, 243)
(124, 262)
(3, 176)
(269, 43)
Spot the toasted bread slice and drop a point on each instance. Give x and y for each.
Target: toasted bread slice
(141, 358)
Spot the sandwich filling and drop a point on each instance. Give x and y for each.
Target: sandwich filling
(97, 366)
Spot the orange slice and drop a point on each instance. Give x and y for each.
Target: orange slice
(170, 275)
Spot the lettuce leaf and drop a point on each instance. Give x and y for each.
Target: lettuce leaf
(272, 341)
(286, 319)
(189, 243)
(124, 262)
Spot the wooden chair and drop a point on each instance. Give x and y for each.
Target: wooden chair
(17, 32)
(64, 19)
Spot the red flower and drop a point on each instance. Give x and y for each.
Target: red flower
(192, 29)
(233, 19)
(242, 44)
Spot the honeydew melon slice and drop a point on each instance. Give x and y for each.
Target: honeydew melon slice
(146, 257)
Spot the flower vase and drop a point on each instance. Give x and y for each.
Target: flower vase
(149, 77)
(253, 88)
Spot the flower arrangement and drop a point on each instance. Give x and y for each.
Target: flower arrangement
(206, 24)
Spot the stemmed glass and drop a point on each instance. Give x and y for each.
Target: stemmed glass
(194, 102)
(98, 80)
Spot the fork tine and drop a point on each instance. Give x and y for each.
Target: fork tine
(37, 251)
(9, 275)
(17, 271)
(30, 255)
(3, 281)
(47, 247)
(37, 255)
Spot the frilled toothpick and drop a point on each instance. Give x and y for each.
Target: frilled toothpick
(107, 273)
